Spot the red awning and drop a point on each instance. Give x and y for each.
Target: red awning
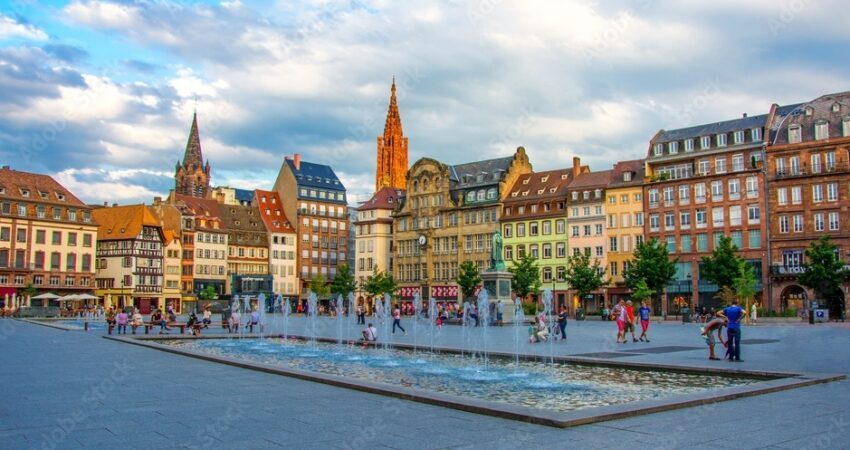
(4, 290)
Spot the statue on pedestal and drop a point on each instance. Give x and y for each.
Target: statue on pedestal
(497, 261)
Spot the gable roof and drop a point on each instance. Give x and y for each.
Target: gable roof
(466, 174)
(530, 185)
(200, 206)
(123, 222)
(244, 225)
(636, 167)
(385, 198)
(272, 213)
(726, 126)
(591, 180)
(315, 175)
(15, 182)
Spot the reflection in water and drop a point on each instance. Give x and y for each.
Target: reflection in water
(536, 384)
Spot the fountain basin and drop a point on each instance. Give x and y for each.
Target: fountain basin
(534, 392)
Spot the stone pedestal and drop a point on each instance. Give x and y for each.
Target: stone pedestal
(498, 285)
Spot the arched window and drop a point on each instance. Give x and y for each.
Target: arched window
(470, 196)
(481, 195)
(491, 194)
(424, 184)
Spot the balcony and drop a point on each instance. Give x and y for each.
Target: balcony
(778, 270)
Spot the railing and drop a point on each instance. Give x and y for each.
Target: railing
(782, 270)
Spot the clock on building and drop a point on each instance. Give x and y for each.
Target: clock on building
(422, 240)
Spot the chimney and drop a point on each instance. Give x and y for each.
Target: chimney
(6, 167)
(297, 161)
(157, 200)
(745, 115)
(576, 166)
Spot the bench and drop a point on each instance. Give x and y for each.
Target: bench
(148, 325)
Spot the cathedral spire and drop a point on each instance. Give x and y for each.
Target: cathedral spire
(193, 155)
(192, 176)
(392, 149)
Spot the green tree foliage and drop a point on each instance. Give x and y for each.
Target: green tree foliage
(343, 282)
(583, 276)
(30, 290)
(723, 266)
(526, 276)
(468, 278)
(320, 286)
(641, 291)
(208, 293)
(651, 264)
(824, 272)
(745, 283)
(379, 283)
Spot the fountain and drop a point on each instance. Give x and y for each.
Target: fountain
(417, 307)
(261, 310)
(547, 314)
(387, 313)
(432, 319)
(339, 318)
(286, 308)
(352, 312)
(312, 313)
(484, 319)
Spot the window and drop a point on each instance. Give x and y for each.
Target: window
(533, 251)
(783, 224)
(22, 210)
(817, 193)
(684, 193)
(673, 147)
(755, 134)
(700, 217)
(54, 261)
(547, 251)
(754, 239)
(735, 215)
(508, 231)
(832, 192)
(752, 187)
(600, 251)
(796, 195)
(509, 253)
(833, 221)
(587, 230)
(816, 167)
(638, 219)
(668, 195)
(794, 135)
(21, 235)
(71, 262)
(653, 197)
(653, 222)
(780, 166)
(72, 238)
(689, 145)
(738, 137)
(819, 224)
(669, 221)
(702, 242)
(624, 220)
(737, 163)
(598, 229)
(560, 250)
(830, 161)
(720, 164)
(87, 240)
(721, 140)
(685, 219)
(57, 238)
(717, 190)
(659, 149)
(575, 231)
(699, 192)
(821, 129)
(613, 269)
(737, 239)
(782, 196)
(686, 243)
(717, 216)
(533, 229)
(753, 214)
(734, 189)
(520, 230)
(560, 226)
(705, 142)
(798, 223)
(547, 227)
(612, 244)
(794, 162)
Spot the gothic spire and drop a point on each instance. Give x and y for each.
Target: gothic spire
(392, 150)
(193, 155)
(393, 122)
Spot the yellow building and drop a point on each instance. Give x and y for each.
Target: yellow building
(374, 233)
(449, 216)
(624, 222)
(46, 238)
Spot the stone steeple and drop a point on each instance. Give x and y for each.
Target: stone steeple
(392, 150)
(192, 176)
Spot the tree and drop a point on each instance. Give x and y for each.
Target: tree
(30, 290)
(745, 283)
(583, 276)
(641, 291)
(824, 272)
(319, 286)
(723, 266)
(526, 276)
(344, 282)
(379, 283)
(208, 293)
(651, 264)
(468, 278)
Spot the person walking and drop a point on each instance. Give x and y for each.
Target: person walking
(618, 314)
(714, 325)
(754, 313)
(397, 321)
(235, 321)
(733, 314)
(562, 323)
(643, 313)
(207, 316)
(121, 320)
(630, 321)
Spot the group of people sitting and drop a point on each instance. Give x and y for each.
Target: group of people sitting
(235, 321)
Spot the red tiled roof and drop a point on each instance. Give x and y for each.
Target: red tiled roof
(200, 206)
(384, 198)
(41, 188)
(123, 222)
(592, 179)
(271, 210)
(533, 183)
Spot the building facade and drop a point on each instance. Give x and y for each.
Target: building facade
(283, 244)
(624, 222)
(129, 257)
(192, 175)
(315, 198)
(392, 161)
(47, 238)
(448, 216)
(534, 222)
(205, 244)
(586, 222)
(374, 234)
(247, 252)
(808, 170)
(703, 183)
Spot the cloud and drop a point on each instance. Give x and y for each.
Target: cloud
(12, 28)
(67, 53)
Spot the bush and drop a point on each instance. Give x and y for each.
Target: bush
(529, 309)
(790, 312)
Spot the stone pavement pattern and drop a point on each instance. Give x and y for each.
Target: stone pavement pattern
(71, 389)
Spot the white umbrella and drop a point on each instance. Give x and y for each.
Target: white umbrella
(86, 297)
(46, 296)
(69, 298)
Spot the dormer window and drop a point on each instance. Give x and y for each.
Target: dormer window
(25, 192)
(524, 193)
(809, 111)
(627, 176)
(689, 145)
(738, 137)
(544, 179)
(794, 134)
(586, 195)
(705, 142)
(2, 190)
(597, 194)
(845, 131)
(479, 178)
(525, 181)
(673, 147)
(514, 194)
(43, 194)
(540, 191)
(755, 134)
(552, 190)
(575, 196)
(836, 107)
(563, 176)
(659, 149)
(721, 139)
(821, 130)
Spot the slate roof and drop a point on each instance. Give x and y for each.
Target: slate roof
(272, 213)
(315, 175)
(465, 175)
(14, 181)
(123, 222)
(820, 108)
(591, 180)
(243, 195)
(385, 198)
(636, 167)
(244, 225)
(726, 126)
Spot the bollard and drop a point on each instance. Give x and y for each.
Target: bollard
(86, 325)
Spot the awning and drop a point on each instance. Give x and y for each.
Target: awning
(8, 290)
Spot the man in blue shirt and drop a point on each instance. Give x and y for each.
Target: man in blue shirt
(733, 314)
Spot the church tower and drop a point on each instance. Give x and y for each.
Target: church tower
(192, 177)
(392, 151)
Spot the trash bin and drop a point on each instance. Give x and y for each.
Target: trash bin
(686, 315)
(579, 314)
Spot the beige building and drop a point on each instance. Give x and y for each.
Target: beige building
(283, 244)
(374, 233)
(47, 238)
(204, 234)
(171, 275)
(449, 216)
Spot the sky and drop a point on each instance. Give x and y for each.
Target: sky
(100, 94)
